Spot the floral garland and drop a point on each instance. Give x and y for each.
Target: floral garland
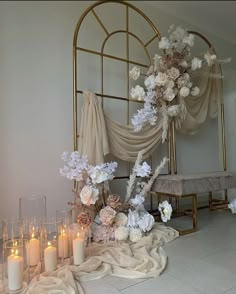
(168, 81)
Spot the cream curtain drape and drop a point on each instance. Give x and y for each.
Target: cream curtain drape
(100, 135)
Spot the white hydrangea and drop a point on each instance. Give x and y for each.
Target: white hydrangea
(150, 82)
(134, 73)
(195, 91)
(184, 91)
(164, 43)
(121, 219)
(196, 63)
(137, 93)
(143, 170)
(189, 40)
(135, 234)
(122, 233)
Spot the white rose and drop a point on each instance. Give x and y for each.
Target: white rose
(137, 93)
(150, 82)
(166, 211)
(98, 176)
(134, 73)
(89, 195)
(164, 43)
(173, 73)
(196, 63)
(161, 79)
(169, 94)
(195, 91)
(170, 84)
(184, 91)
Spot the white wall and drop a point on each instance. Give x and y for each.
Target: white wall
(36, 98)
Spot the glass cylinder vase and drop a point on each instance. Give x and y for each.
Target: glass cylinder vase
(15, 270)
(78, 237)
(52, 244)
(33, 208)
(12, 229)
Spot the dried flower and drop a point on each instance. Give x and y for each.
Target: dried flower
(84, 219)
(135, 234)
(107, 215)
(89, 195)
(113, 201)
(121, 233)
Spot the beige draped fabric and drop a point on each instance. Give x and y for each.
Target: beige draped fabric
(101, 135)
(144, 259)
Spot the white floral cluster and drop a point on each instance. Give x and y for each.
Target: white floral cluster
(77, 168)
(168, 81)
(232, 206)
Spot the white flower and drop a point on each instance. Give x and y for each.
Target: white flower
(133, 217)
(165, 210)
(164, 43)
(195, 91)
(173, 73)
(137, 200)
(121, 219)
(121, 233)
(184, 91)
(134, 73)
(135, 234)
(210, 58)
(196, 63)
(189, 40)
(143, 170)
(146, 222)
(178, 34)
(137, 93)
(107, 215)
(183, 64)
(169, 94)
(170, 84)
(98, 176)
(173, 110)
(89, 195)
(150, 82)
(232, 206)
(161, 79)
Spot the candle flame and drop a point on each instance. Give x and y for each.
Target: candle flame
(33, 235)
(49, 243)
(12, 251)
(15, 243)
(16, 252)
(78, 234)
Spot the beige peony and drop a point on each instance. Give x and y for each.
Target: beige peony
(84, 219)
(107, 215)
(113, 201)
(89, 195)
(121, 219)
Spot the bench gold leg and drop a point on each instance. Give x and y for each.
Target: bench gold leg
(194, 216)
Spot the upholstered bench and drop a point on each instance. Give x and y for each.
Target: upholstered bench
(189, 185)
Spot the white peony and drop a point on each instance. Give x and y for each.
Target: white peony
(184, 91)
(121, 219)
(89, 195)
(173, 73)
(195, 91)
(189, 40)
(137, 200)
(133, 218)
(150, 82)
(135, 235)
(137, 93)
(134, 73)
(121, 233)
(232, 206)
(169, 94)
(210, 58)
(164, 43)
(98, 176)
(146, 222)
(161, 79)
(165, 210)
(196, 63)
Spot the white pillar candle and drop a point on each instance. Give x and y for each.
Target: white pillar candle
(50, 258)
(78, 250)
(15, 266)
(63, 245)
(33, 251)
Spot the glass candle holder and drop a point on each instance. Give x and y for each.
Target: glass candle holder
(12, 229)
(33, 208)
(78, 237)
(50, 244)
(14, 266)
(33, 252)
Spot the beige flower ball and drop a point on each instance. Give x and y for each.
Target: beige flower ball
(121, 219)
(135, 235)
(121, 233)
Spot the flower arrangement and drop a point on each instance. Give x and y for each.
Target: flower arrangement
(89, 180)
(168, 81)
(129, 219)
(232, 206)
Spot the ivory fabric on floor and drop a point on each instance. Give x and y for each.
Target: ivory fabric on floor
(144, 259)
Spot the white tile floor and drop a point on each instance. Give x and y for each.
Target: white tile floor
(203, 262)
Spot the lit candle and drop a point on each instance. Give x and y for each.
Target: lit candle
(63, 245)
(50, 258)
(15, 271)
(78, 250)
(33, 251)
